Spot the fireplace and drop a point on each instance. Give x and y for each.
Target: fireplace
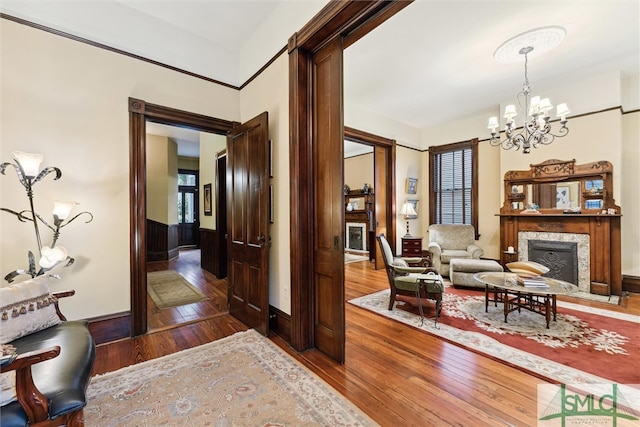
(356, 237)
(561, 258)
(568, 251)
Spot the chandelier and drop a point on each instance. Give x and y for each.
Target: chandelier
(536, 127)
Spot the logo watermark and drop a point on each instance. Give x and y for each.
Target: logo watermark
(588, 405)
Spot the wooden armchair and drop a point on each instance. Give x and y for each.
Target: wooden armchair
(403, 277)
(52, 371)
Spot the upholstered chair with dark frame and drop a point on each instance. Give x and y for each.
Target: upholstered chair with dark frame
(403, 277)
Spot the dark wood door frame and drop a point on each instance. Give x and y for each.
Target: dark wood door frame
(139, 112)
(350, 20)
(389, 145)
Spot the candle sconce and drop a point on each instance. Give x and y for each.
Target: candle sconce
(27, 167)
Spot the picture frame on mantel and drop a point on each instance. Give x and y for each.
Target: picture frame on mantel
(412, 186)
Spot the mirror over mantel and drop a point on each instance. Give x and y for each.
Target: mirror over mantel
(560, 187)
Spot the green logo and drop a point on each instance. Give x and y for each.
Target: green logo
(584, 407)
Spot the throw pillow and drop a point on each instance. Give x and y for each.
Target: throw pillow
(524, 268)
(27, 307)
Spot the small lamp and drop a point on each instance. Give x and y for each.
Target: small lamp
(407, 210)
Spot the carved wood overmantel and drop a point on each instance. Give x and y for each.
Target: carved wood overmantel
(533, 203)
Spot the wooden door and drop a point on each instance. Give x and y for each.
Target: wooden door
(328, 202)
(381, 178)
(247, 222)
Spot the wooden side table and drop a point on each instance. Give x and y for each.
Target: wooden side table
(411, 247)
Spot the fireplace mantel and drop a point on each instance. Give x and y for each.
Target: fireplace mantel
(604, 235)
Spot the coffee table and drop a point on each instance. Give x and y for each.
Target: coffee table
(506, 289)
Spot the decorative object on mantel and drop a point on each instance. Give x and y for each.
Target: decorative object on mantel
(536, 128)
(365, 188)
(408, 211)
(27, 166)
(531, 209)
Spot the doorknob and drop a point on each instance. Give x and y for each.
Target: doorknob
(261, 240)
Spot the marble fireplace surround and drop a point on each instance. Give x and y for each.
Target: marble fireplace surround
(583, 241)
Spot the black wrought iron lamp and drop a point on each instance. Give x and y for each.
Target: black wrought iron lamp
(27, 167)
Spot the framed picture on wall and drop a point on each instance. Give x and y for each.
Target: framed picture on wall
(412, 186)
(271, 202)
(207, 200)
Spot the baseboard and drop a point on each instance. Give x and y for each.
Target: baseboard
(631, 284)
(280, 323)
(111, 327)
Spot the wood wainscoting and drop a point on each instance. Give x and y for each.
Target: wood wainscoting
(162, 241)
(213, 253)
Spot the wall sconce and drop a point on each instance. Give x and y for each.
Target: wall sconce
(27, 166)
(407, 210)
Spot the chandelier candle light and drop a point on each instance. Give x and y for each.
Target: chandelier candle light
(27, 166)
(407, 210)
(536, 128)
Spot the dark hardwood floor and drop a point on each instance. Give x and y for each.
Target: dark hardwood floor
(394, 373)
(188, 265)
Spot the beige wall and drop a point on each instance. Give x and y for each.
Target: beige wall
(210, 145)
(162, 187)
(630, 193)
(358, 170)
(68, 101)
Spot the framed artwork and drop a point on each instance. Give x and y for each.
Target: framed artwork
(207, 200)
(270, 158)
(412, 186)
(414, 203)
(562, 197)
(271, 203)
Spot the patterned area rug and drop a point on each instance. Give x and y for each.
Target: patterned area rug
(169, 289)
(584, 345)
(241, 380)
(349, 258)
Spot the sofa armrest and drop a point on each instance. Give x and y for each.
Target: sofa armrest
(33, 402)
(435, 249)
(58, 295)
(475, 251)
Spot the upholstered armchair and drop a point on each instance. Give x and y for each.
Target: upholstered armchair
(449, 241)
(402, 274)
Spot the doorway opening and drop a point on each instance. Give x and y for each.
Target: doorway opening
(139, 113)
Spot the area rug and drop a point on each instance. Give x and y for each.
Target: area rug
(169, 289)
(241, 380)
(349, 258)
(584, 345)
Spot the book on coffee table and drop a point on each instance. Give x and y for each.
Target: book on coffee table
(532, 282)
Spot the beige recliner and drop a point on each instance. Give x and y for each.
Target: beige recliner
(450, 241)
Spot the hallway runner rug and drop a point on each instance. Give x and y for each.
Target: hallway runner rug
(584, 345)
(169, 289)
(241, 380)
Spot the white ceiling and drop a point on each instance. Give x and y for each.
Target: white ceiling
(431, 63)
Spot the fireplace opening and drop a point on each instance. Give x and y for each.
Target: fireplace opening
(561, 258)
(356, 237)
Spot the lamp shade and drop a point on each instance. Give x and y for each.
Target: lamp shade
(62, 209)
(30, 162)
(407, 209)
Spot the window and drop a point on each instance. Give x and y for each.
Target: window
(187, 189)
(453, 184)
